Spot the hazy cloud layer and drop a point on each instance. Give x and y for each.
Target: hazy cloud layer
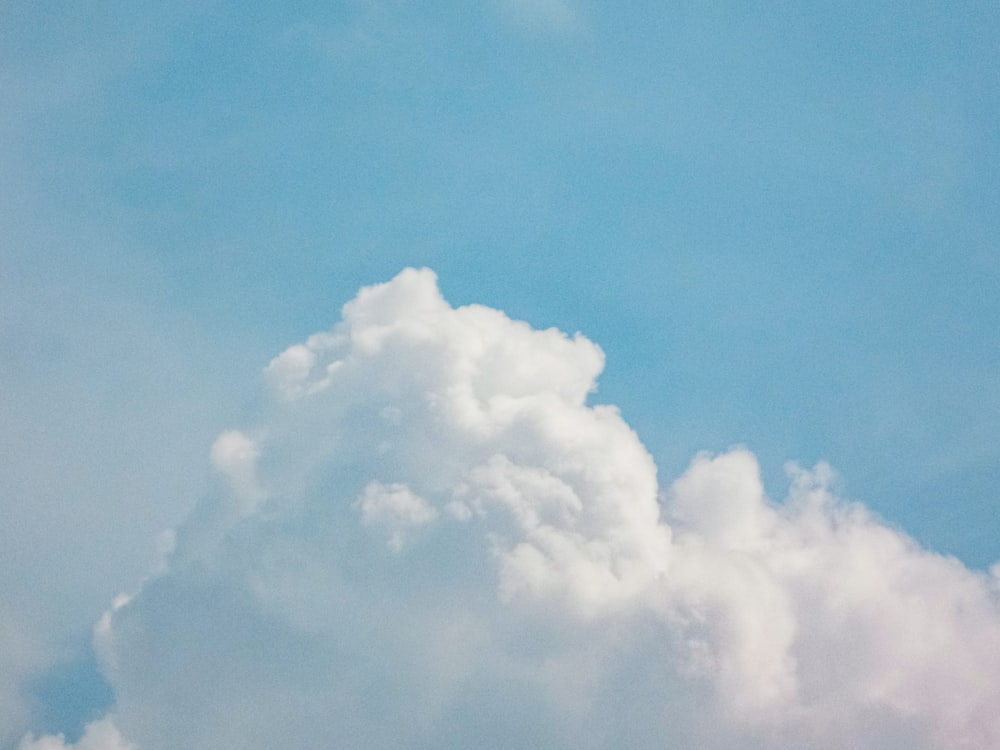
(547, 16)
(431, 540)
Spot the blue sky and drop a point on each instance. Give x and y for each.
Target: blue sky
(779, 222)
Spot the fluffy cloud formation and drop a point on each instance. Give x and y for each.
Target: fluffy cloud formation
(431, 540)
(99, 735)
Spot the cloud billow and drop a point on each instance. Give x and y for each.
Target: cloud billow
(432, 540)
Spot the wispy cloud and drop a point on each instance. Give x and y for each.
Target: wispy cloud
(542, 16)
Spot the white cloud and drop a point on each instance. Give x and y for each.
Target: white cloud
(99, 735)
(819, 617)
(447, 543)
(234, 455)
(21, 653)
(395, 508)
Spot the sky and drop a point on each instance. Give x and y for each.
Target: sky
(535, 372)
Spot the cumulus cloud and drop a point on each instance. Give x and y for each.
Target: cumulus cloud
(814, 616)
(99, 735)
(394, 507)
(20, 654)
(432, 539)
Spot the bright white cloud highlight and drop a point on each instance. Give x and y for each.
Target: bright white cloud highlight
(441, 544)
(395, 508)
(234, 456)
(99, 735)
